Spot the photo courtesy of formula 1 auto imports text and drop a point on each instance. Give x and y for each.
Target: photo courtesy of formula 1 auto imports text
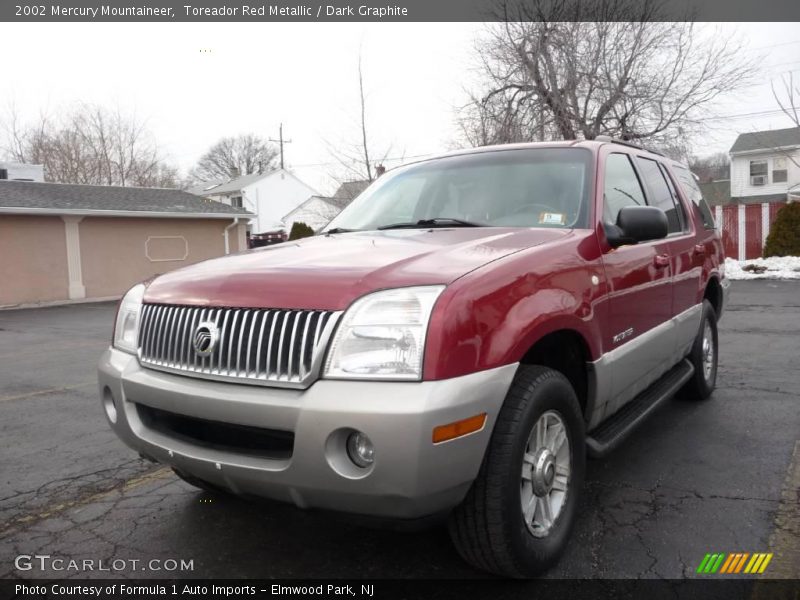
(386, 300)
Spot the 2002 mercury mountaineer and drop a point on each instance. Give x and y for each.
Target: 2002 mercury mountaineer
(454, 342)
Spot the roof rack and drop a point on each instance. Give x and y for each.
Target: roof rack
(608, 138)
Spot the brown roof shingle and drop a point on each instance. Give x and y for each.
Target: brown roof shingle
(70, 197)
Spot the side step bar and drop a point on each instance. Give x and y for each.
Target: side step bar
(606, 436)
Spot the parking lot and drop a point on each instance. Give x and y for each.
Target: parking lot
(717, 476)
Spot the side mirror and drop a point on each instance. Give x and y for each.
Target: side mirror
(637, 224)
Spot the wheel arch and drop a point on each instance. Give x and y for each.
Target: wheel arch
(568, 352)
(713, 293)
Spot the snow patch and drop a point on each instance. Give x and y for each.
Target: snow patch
(774, 267)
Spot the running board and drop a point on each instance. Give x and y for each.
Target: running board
(616, 428)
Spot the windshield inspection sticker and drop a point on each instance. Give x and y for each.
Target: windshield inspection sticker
(548, 218)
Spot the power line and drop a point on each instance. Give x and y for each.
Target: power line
(791, 62)
(774, 45)
(764, 113)
(758, 113)
(354, 161)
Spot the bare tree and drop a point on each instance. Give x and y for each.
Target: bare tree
(358, 160)
(14, 133)
(89, 145)
(552, 70)
(711, 168)
(789, 98)
(243, 155)
(364, 145)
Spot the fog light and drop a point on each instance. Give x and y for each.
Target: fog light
(108, 404)
(360, 449)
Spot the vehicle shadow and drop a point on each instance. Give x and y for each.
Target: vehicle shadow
(242, 537)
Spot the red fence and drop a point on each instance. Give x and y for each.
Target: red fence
(745, 227)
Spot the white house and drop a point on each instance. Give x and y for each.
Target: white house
(269, 196)
(317, 211)
(21, 172)
(765, 166)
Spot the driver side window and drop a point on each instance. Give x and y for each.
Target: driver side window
(622, 187)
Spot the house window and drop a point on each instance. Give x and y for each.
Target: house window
(236, 201)
(758, 172)
(779, 172)
(3, 173)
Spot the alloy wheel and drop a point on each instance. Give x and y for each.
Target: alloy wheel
(545, 474)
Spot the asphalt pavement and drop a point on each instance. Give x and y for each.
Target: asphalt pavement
(697, 477)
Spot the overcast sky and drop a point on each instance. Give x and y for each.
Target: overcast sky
(254, 76)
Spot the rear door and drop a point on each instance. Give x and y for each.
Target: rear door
(639, 337)
(686, 255)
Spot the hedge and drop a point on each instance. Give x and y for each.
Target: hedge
(784, 234)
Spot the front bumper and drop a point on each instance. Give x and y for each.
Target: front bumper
(410, 478)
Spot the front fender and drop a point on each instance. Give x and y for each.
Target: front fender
(493, 316)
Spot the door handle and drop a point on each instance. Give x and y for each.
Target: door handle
(661, 261)
(699, 250)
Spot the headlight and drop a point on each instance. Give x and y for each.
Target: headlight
(126, 328)
(382, 335)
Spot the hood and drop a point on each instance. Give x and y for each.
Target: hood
(328, 272)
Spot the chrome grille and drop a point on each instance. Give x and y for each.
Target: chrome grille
(275, 347)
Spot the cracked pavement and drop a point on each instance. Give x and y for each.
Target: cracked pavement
(695, 478)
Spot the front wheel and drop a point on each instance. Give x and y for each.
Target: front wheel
(517, 516)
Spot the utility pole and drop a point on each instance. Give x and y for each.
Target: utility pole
(281, 141)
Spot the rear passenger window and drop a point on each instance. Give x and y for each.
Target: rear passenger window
(676, 197)
(660, 193)
(622, 187)
(692, 191)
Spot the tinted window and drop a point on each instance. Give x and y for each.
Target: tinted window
(676, 197)
(660, 194)
(692, 191)
(622, 187)
(543, 187)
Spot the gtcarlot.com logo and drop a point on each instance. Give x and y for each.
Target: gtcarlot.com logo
(734, 563)
(46, 562)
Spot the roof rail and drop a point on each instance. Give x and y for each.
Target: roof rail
(608, 138)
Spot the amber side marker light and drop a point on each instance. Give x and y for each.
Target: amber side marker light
(451, 431)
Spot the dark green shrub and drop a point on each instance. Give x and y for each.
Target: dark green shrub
(784, 235)
(300, 230)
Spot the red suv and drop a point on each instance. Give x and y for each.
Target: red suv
(454, 343)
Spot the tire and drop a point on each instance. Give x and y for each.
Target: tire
(702, 383)
(488, 528)
(200, 484)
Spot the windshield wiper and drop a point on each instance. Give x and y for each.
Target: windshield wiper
(338, 230)
(437, 222)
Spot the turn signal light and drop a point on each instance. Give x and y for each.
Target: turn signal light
(451, 431)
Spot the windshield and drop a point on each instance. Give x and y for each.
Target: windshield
(537, 187)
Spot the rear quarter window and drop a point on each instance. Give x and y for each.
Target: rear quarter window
(661, 195)
(692, 191)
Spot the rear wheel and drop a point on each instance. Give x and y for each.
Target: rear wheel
(517, 516)
(704, 357)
